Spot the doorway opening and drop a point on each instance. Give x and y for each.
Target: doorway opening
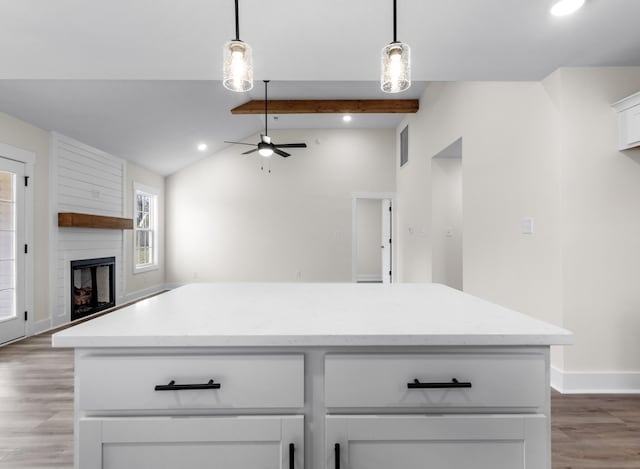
(447, 221)
(372, 243)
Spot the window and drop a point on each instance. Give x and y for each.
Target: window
(145, 228)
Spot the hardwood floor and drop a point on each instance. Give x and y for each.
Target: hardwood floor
(36, 405)
(595, 431)
(36, 416)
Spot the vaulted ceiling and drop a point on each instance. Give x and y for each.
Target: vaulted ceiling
(139, 78)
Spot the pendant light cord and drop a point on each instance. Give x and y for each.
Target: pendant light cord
(266, 120)
(395, 26)
(237, 23)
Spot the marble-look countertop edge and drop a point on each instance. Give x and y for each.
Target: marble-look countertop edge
(312, 341)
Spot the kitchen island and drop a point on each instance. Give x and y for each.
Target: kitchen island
(312, 375)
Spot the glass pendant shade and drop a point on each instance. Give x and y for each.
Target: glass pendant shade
(238, 66)
(395, 68)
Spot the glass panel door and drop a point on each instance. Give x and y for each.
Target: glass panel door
(12, 324)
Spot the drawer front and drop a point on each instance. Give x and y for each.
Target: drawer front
(245, 381)
(378, 380)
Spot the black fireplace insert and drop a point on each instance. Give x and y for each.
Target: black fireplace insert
(92, 286)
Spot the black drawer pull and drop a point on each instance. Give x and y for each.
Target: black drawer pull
(337, 448)
(453, 384)
(172, 386)
(291, 452)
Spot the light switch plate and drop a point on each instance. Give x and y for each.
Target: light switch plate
(527, 225)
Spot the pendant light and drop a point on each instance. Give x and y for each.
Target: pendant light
(237, 67)
(395, 74)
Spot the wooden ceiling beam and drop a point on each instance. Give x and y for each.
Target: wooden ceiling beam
(330, 106)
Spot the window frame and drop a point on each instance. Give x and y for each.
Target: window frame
(153, 227)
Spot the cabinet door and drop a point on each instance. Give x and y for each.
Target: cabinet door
(632, 118)
(442, 442)
(191, 442)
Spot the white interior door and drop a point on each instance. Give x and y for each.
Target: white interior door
(12, 321)
(385, 242)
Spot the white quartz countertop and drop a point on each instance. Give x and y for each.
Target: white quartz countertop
(304, 314)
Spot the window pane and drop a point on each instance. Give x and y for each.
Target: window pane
(144, 253)
(142, 211)
(142, 220)
(7, 304)
(7, 274)
(7, 219)
(7, 240)
(144, 229)
(7, 184)
(7, 245)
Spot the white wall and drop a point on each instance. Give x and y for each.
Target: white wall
(601, 220)
(229, 221)
(369, 239)
(545, 150)
(510, 171)
(139, 284)
(23, 135)
(446, 229)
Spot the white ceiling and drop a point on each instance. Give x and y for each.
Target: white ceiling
(156, 123)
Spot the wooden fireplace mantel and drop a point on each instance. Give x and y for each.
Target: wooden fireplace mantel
(85, 220)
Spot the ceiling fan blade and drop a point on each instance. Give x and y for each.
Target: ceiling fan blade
(250, 151)
(241, 143)
(281, 153)
(291, 145)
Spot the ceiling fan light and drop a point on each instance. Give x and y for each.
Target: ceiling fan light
(266, 152)
(265, 149)
(237, 68)
(395, 68)
(566, 7)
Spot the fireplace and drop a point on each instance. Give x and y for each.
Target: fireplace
(92, 286)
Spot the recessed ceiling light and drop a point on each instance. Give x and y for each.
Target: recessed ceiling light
(202, 146)
(346, 118)
(566, 7)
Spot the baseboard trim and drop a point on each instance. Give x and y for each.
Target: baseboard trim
(369, 278)
(39, 327)
(595, 383)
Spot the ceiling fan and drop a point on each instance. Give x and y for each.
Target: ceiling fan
(265, 146)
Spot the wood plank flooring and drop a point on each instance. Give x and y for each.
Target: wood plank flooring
(36, 416)
(36, 405)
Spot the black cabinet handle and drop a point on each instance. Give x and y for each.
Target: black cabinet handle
(453, 384)
(172, 386)
(292, 450)
(337, 448)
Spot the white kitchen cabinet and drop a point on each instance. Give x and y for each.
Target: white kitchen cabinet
(442, 441)
(628, 122)
(257, 442)
(406, 376)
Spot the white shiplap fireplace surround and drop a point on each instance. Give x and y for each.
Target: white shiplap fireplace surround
(84, 180)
